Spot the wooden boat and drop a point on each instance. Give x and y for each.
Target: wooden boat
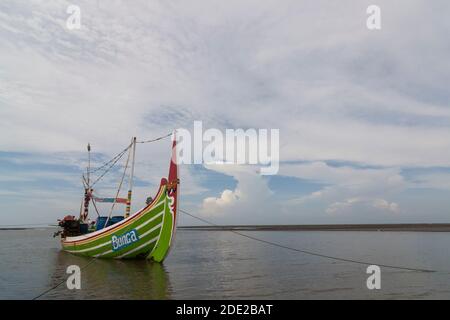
(146, 234)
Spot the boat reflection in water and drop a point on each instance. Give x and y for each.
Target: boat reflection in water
(110, 279)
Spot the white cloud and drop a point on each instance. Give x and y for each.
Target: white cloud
(227, 199)
(251, 201)
(385, 205)
(348, 192)
(345, 182)
(346, 206)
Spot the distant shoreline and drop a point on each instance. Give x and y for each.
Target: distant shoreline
(417, 227)
(422, 227)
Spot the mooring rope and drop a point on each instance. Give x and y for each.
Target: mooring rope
(312, 253)
(269, 243)
(62, 281)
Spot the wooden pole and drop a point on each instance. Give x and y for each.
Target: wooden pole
(89, 164)
(87, 191)
(130, 189)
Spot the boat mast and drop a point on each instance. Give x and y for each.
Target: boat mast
(87, 195)
(127, 210)
(89, 164)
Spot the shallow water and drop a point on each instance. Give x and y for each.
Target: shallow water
(220, 264)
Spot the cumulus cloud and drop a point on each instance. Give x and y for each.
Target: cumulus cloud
(357, 194)
(227, 199)
(385, 205)
(347, 205)
(345, 182)
(251, 201)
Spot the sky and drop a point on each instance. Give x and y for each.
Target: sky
(364, 115)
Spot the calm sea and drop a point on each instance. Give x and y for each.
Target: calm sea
(223, 265)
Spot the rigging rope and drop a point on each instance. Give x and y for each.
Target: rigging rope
(118, 190)
(310, 252)
(110, 167)
(120, 154)
(107, 166)
(156, 139)
(95, 207)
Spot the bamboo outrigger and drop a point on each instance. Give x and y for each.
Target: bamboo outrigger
(146, 234)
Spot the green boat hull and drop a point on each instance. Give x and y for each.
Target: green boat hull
(146, 234)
